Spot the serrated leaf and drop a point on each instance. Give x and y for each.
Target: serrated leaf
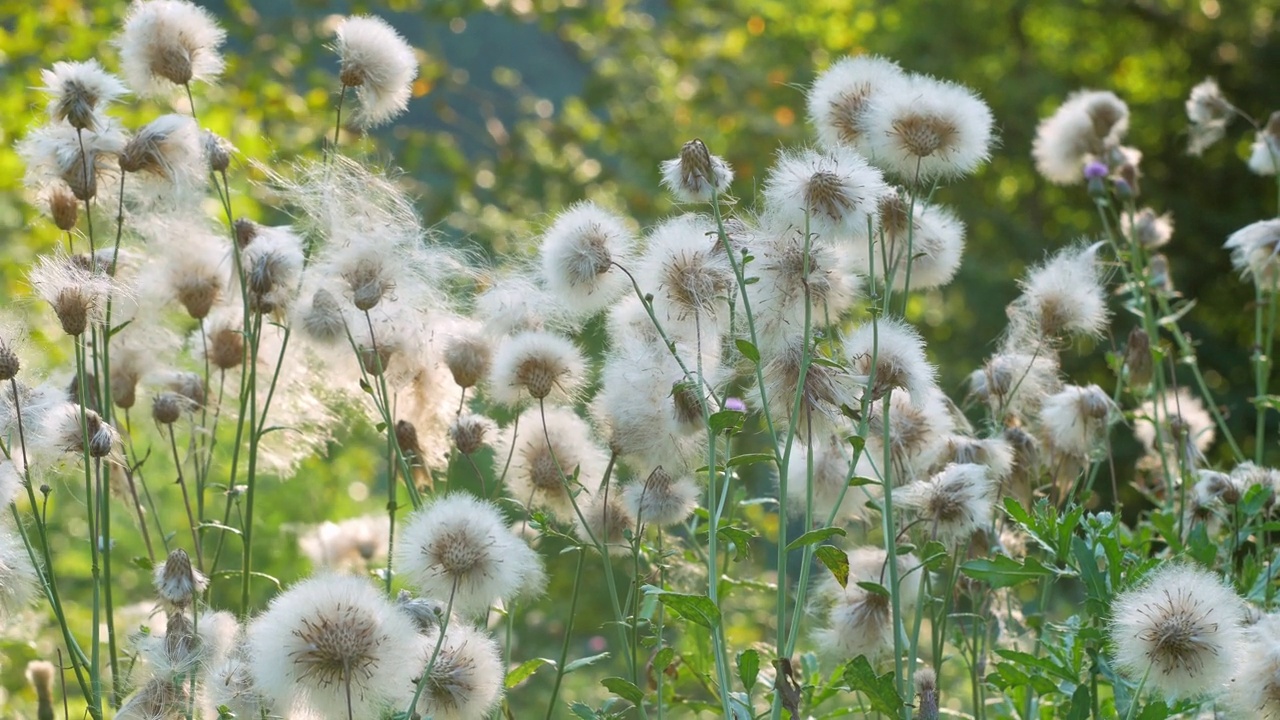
(624, 689)
(726, 420)
(694, 608)
(750, 459)
(748, 350)
(584, 711)
(741, 540)
(1003, 571)
(584, 662)
(748, 668)
(813, 537)
(879, 689)
(524, 670)
(835, 560)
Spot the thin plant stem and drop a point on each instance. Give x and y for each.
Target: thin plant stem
(186, 500)
(568, 632)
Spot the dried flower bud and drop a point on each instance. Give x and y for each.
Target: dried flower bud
(468, 432)
(374, 360)
(218, 150)
(40, 674)
(407, 439)
(166, 407)
(81, 175)
(63, 207)
(245, 230)
(468, 357)
(926, 682)
(424, 612)
(190, 386)
(176, 581)
(1137, 358)
(323, 321)
(102, 442)
(9, 362)
(226, 348)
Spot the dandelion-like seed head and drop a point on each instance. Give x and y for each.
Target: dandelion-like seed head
(696, 175)
(578, 253)
(839, 97)
(834, 192)
(536, 464)
(177, 583)
(1062, 297)
(660, 499)
(78, 295)
(1176, 422)
(325, 636)
(1255, 252)
(169, 147)
(858, 621)
(831, 461)
(57, 153)
(542, 364)
(1264, 153)
(459, 547)
(1209, 113)
(272, 263)
(956, 502)
(379, 64)
(350, 544)
(823, 393)
(17, 575)
(322, 319)
(79, 90)
(1086, 127)
(224, 337)
(466, 679)
(688, 275)
(166, 43)
(918, 432)
(899, 358)
(1180, 629)
(928, 129)
(1148, 229)
(1076, 419)
(1016, 383)
(607, 522)
(1254, 690)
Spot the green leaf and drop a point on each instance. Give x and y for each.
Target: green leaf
(624, 689)
(663, 659)
(813, 537)
(584, 662)
(860, 481)
(879, 689)
(694, 608)
(1094, 581)
(858, 442)
(583, 711)
(1081, 706)
(741, 540)
(1003, 571)
(748, 668)
(835, 560)
(521, 672)
(1024, 660)
(112, 332)
(750, 459)
(875, 588)
(726, 420)
(144, 563)
(748, 350)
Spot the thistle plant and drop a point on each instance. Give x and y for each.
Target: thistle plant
(708, 464)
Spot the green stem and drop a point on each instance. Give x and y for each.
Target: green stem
(568, 631)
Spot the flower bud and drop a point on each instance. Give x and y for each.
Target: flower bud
(1137, 359)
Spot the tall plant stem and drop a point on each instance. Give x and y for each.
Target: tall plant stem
(568, 632)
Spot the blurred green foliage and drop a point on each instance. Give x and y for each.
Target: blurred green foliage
(523, 106)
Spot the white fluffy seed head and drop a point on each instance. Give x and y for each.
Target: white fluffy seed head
(325, 633)
(466, 680)
(1147, 229)
(460, 547)
(660, 499)
(857, 621)
(348, 545)
(272, 262)
(954, 503)
(176, 582)
(1177, 423)
(1209, 113)
(1254, 689)
(379, 64)
(1016, 383)
(1255, 252)
(931, 236)
(167, 154)
(1075, 420)
(840, 96)
(899, 358)
(166, 43)
(17, 576)
(696, 175)
(1180, 628)
(832, 457)
(578, 253)
(1089, 125)
(1062, 297)
(1264, 153)
(837, 190)
(78, 91)
(917, 433)
(53, 154)
(780, 296)
(534, 476)
(77, 294)
(825, 391)
(927, 129)
(607, 521)
(537, 365)
(685, 269)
